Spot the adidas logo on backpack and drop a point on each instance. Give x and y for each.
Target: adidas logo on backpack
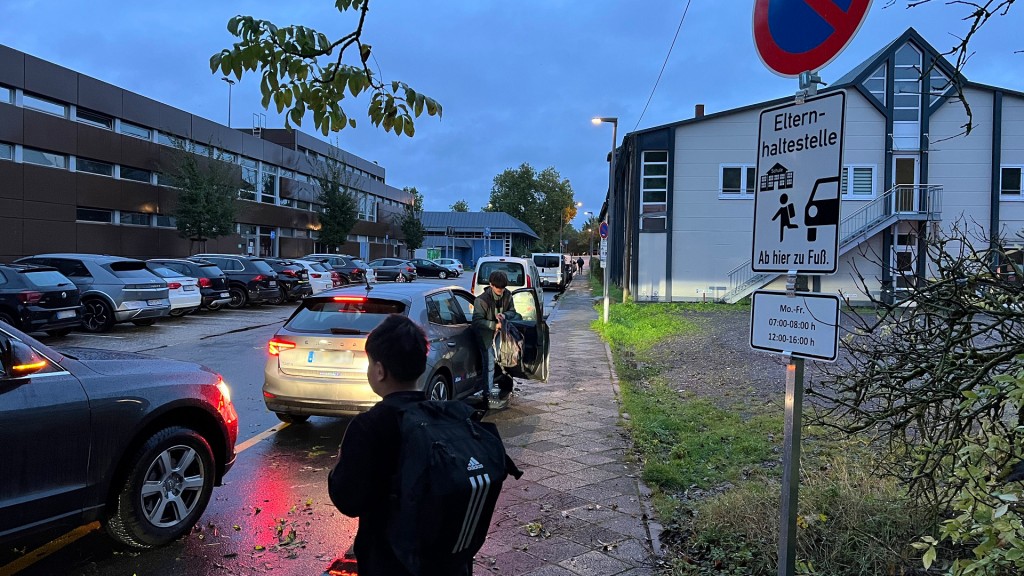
(473, 464)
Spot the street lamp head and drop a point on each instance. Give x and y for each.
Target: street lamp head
(579, 204)
(599, 119)
(228, 80)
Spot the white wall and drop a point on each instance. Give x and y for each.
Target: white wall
(1011, 212)
(651, 281)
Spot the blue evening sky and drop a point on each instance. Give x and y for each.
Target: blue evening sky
(519, 80)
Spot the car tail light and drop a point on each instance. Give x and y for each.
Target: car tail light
(315, 275)
(407, 269)
(287, 272)
(258, 277)
(529, 281)
(349, 299)
(204, 283)
(30, 297)
(278, 345)
(473, 282)
(173, 285)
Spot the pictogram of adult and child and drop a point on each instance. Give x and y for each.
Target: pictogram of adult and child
(819, 210)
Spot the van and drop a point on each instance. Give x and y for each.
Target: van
(521, 272)
(552, 269)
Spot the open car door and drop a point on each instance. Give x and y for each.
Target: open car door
(536, 343)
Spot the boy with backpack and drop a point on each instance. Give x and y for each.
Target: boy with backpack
(422, 476)
(490, 310)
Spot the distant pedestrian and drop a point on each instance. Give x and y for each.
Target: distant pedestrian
(579, 264)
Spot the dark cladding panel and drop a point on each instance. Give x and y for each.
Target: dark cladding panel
(139, 242)
(141, 154)
(139, 197)
(12, 181)
(99, 239)
(97, 191)
(141, 110)
(99, 96)
(99, 144)
(11, 124)
(50, 133)
(48, 212)
(294, 160)
(11, 237)
(273, 153)
(210, 133)
(171, 244)
(10, 208)
(49, 185)
(265, 214)
(41, 237)
(49, 80)
(12, 67)
(251, 146)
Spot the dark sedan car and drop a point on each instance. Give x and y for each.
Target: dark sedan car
(38, 298)
(430, 269)
(213, 283)
(250, 280)
(134, 441)
(292, 279)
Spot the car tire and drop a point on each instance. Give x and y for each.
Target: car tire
(439, 389)
(97, 316)
(214, 307)
(281, 298)
(442, 275)
(292, 418)
(179, 495)
(59, 332)
(400, 278)
(144, 322)
(6, 318)
(239, 298)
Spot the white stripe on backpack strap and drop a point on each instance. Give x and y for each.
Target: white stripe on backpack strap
(481, 485)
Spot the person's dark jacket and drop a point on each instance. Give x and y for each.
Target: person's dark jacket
(361, 483)
(485, 314)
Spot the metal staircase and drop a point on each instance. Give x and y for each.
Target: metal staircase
(919, 202)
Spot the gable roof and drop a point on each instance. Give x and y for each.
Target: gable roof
(476, 222)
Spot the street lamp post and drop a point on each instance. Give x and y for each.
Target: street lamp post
(611, 179)
(231, 83)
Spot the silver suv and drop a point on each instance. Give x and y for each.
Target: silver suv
(114, 289)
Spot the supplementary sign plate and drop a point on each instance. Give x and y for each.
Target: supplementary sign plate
(805, 325)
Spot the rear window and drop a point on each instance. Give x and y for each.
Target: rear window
(127, 269)
(318, 267)
(47, 278)
(165, 272)
(345, 314)
(263, 267)
(546, 261)
(210, 271)
(514, 271)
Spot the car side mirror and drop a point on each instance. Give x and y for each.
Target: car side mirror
(19, 359)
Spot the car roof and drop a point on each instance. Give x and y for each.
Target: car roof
(99, 258)
(404, 292)
(27, 267)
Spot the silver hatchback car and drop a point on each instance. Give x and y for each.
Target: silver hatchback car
(317, 360)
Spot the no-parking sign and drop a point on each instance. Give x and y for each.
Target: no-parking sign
(794, 36)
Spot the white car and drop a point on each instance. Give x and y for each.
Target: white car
(182, 291)
(319, 275)
(452, 264)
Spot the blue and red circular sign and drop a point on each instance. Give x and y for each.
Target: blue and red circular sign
(794, 36)
(603, 229)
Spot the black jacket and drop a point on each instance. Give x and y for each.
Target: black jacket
(485, 314)
(361, 483)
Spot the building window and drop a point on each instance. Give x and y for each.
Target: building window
(200, 149)
(6, 151)
(907, 85)
(863, 178)
(45, 105)
(167, 139)
(737, 181)
(302, 205)
(268, 192)
(287, 232)
(136, 174)
(134, 218)
(49, 159)
(250, 178)
(129, 129)
(225, 156)
(94, 167)
(1010, 181)
(939, 84)
(6, 95)
(166, 180)
(654, 190)
(876, 84)
(162, 221)
(94, 119)
(94, 215)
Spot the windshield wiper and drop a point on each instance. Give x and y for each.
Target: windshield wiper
(347, 331)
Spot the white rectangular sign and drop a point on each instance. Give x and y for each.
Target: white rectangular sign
(805, 325)
(604, 252)
(797, 196)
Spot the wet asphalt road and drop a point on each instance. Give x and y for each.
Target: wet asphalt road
(273, 514)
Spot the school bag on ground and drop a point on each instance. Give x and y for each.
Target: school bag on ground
(451, 470)
(508, 346)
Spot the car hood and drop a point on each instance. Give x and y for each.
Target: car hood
(113, 363)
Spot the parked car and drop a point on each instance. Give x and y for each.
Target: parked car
(317, 363)
(347, 268)
(452, 264)
(551, 266)
(318, 274)
(134, 441)
(182, 291)
(521, 272)
(250, 280)
(369, 273)
(113, 289)
(292, 279)
(38, 298)
(213, 283)
(429, 268)
(394, 269)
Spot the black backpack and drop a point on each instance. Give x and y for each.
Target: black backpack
(451, 470)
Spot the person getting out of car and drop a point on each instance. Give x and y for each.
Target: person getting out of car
(490, 309)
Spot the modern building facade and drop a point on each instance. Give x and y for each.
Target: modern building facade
(467, 236)
(681, 207)
(86, 166)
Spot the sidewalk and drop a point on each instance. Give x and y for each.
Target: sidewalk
(578, 509)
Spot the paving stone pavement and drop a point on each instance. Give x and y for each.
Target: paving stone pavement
(579, 509)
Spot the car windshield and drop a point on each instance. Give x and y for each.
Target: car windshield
(47, 278)
(513, 270)
(343, 314)
(546, 261)
(263, 267)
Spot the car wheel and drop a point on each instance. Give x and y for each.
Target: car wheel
(8, 319)
(438, 389)
(292, 418)
(97, 316)
(213, 307)
(279, 299)
(442, 275)
(238, 298)
(59, 333)
(144, 322)
(400, 278)
(167, 488)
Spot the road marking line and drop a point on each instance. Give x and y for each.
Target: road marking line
(258, 438)
(47, 549)
(101, 336)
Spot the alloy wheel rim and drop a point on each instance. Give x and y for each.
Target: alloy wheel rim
(173, 486)
(236, 299)
(439, 391)
(95, 315)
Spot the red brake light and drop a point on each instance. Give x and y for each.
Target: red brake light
(277, 345)
(529, 281)
(349, 299)
(173, 285)
(355, 270)
(257, 277)
(30, 297)
(315, 275)
(204, 282)
(287, 272)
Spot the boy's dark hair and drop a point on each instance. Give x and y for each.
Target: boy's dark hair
(400, 346)
(498, 279)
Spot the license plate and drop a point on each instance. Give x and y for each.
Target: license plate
(154, 302)
(329, 358)
(190, 288)
(224, 294)
(273, 284)
(66, 314)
